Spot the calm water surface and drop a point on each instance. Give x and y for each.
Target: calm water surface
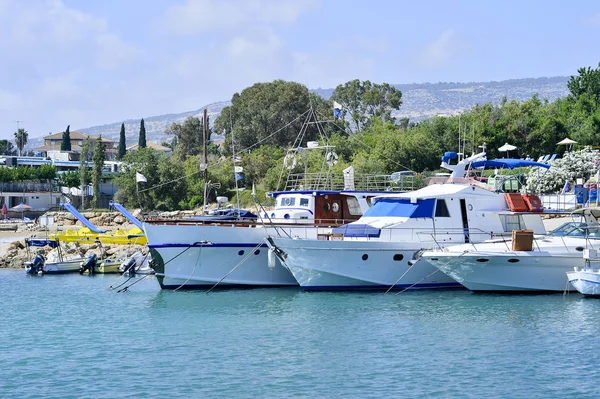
(70, 337)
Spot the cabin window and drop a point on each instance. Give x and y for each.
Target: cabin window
(288, 201)
(303, 201)
(512, 222)
(353, 206)
(441, 210)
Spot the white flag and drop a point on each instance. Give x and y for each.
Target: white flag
(238, 169)
(140, 177)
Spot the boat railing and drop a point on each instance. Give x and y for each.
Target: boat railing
(266, 222)
(341, 181)
(506, 239)
(425, 236)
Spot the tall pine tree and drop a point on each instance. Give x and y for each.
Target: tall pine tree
(65, 144)
(122, 147)
(142, 139)
(98, 158)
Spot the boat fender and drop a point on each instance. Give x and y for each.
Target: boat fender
(272, 259)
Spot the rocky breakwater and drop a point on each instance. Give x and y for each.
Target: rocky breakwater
(104, 219)
(17, 253)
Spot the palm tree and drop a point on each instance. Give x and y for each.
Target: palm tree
(21, 136)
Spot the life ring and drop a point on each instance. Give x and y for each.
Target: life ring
(289, 161)
(331, 158)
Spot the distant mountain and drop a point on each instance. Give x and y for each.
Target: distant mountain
(426, 100)
(420, 101)
(155, 126)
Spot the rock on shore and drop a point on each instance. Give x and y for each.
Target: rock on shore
(17, 253)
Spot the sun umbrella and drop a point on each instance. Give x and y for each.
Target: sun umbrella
(568, 142)
(22, 207)
(507, 147)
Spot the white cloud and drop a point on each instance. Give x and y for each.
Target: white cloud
(262, 43)
(113, 52)
(200, 16)
(440, 51)
(47, 23)
(39, 30)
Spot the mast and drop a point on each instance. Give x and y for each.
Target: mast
(237, 190)
(204, 165)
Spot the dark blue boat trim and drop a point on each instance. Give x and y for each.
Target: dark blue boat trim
(380, 287)
(222, 286)
(212, 245)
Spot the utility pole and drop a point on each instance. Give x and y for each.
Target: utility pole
(20, 144)
(204, 165)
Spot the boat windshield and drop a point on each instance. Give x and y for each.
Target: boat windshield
(577, 229)
(401, 207)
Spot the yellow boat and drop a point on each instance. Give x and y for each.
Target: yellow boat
(86, 236)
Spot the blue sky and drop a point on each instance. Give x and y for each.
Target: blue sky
(86, 63)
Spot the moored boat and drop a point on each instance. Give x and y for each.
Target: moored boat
(586, 279)
(522, 264)
(380, 250)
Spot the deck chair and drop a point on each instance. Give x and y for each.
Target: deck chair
(540, 158)
(552, 158)
(545, 159)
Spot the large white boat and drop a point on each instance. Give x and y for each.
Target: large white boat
(541, 265)
(380, 250)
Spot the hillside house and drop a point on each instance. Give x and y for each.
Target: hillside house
(51, 147)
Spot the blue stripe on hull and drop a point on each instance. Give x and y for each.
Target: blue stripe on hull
(396, 287)
(211, 245)
(224, 286)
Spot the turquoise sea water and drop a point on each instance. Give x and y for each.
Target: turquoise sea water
(69, 337)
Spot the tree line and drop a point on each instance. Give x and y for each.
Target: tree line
(263, 121)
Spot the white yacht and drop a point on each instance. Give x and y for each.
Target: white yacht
(380, 250)
(539, 264)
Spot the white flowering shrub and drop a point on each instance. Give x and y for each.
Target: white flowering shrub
(573, 165)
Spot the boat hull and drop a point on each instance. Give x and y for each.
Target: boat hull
(62, 267)
(511, 271)
(586, 281)
(201, 256)
(350, 265)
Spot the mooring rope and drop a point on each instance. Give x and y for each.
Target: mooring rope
(429, 275)
(193, 270)
(238, 265)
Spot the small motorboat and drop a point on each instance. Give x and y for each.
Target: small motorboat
(56, 262)
(586, 279)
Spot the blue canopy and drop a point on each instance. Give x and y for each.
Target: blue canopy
(507, 163)
(402, 207)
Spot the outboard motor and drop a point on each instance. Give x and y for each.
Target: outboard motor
(129, 266)
(36, 266)
(89, 264)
